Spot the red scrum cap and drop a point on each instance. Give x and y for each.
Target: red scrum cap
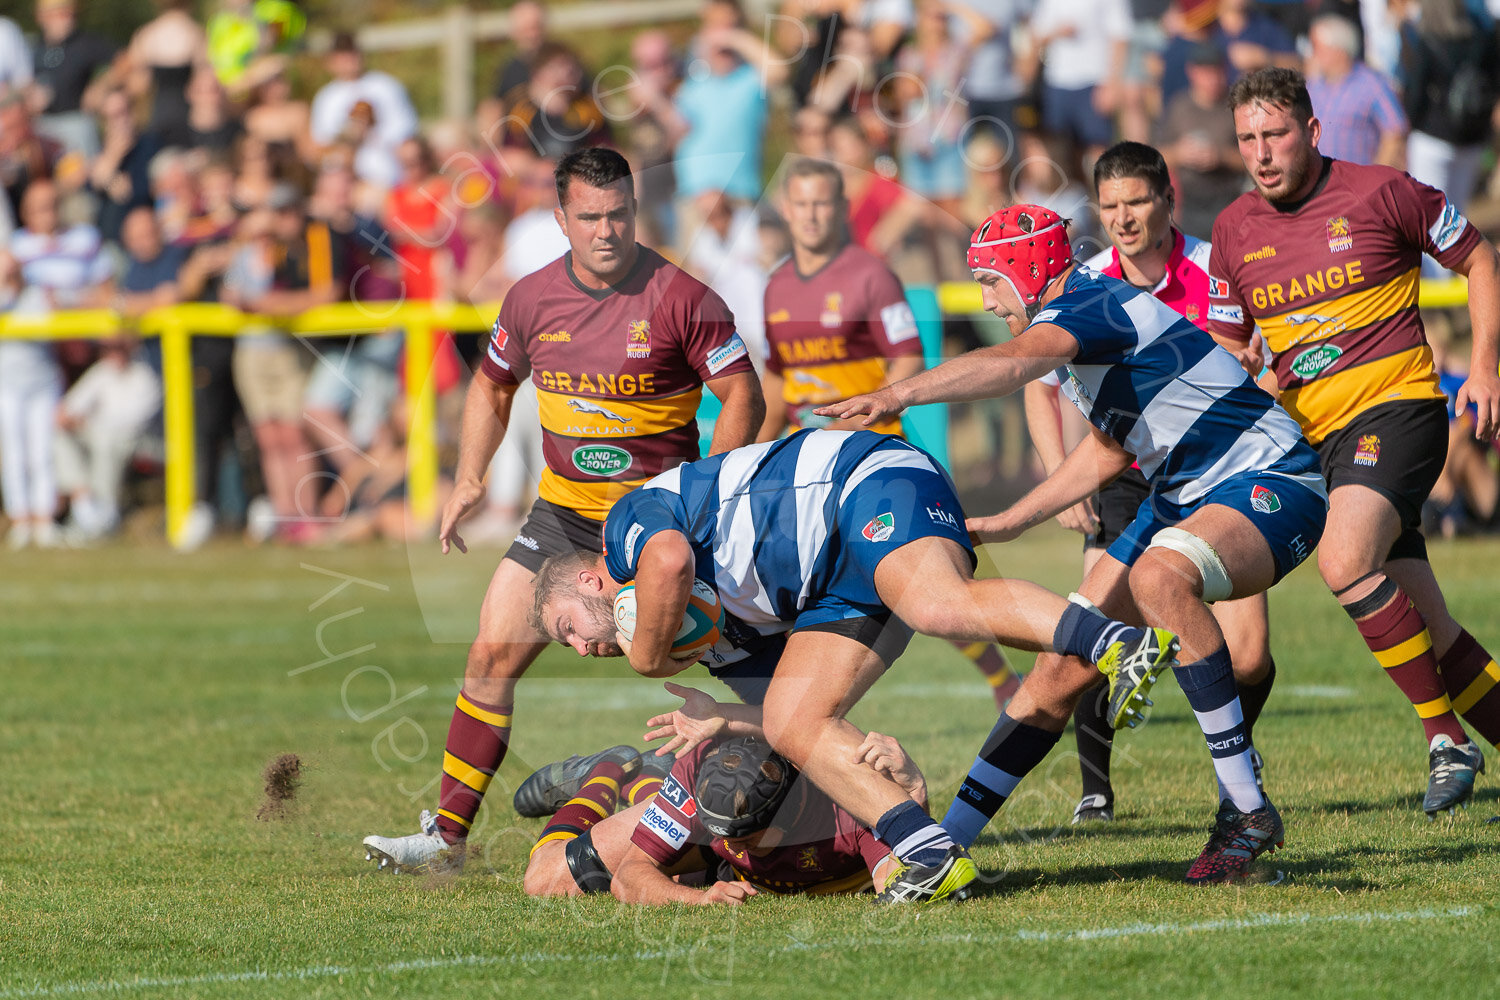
(1027, 245)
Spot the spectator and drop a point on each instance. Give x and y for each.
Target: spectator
(1048, 176)
(882, 216)
(103, 420)
(1082, 45)
(15, 58)
(472, 271)
(839, 46)
(174, 190)
(241, 32)
(371, 106)
(988, 187)
(1188, 24)
(721, 114)
(1451, 69)
(726, 258)
(275, 117)
(810, 131)
(646, 110)
(67, 62)
(1252, 40)
(286, 266)
(553, 113)
(994, 87)
(1148, 39)
(160, 61)
(1197, 140)
(528, 31)
(59, 268)
(932, 68)
(25, 156)
(152, 266)
(120, 175)
(420, 217)
(211, 124)
(1363, 121)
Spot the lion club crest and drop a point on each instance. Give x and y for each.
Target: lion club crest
(638, 339)
(1368, 452)
(807, 860)
(1264, 500)
(1339, 236)
(833, 311)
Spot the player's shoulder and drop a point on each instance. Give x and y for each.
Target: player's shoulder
(534, 287)
(1101, 261)
(1365, 179)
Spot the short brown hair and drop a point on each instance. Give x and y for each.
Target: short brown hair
(811, 166)
(1275, 85)
(556, 577)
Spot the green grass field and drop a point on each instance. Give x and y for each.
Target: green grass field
(144, 692)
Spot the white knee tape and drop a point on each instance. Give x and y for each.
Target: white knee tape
(1216, 582)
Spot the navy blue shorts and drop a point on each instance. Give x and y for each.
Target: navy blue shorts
(1287, 512)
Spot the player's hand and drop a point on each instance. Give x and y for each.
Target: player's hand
(885, 755)
(1252, 357)
(733, 893)
(464, 497)
(1482, 391)
(874, 406)
(995, 528)
(698, 719)
(1081, 517)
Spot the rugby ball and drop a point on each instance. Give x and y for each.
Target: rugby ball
(700, 622)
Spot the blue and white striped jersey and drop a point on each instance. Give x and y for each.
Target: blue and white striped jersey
(764, 520)
(1161, 388)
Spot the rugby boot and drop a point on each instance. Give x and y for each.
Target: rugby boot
(1093, 809)
(425, 853)
(1237, 839)
(545, 791)
(955, 878)
(1132, 668)
(1451, 783)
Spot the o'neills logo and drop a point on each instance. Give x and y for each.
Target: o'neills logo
(560, 337)
(1261, 254)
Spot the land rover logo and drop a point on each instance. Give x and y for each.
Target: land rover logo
(601, 460)
(1313, 360)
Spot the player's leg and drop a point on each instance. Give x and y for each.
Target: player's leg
(993, 665)
(1469, 672)
(1246, 625)
(558, 866)
(824, 671)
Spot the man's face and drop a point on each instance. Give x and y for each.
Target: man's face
(814, 213)
(1279, 152)
(600, 226)
(140, 235)
(585, 621)
(1136, 218)
(1001, 300)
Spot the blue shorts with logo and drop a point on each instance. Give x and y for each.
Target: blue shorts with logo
(1288, 513)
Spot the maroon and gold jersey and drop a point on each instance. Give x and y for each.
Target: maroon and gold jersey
(1332, 284)
(618, 373)
(831, 333)
(824, 850)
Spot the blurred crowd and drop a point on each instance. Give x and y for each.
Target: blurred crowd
(212, 157)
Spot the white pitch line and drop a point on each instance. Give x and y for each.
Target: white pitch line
(555, 958)
(1320, 691)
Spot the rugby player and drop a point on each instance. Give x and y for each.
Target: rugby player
(1134, 192)
(1236, 503)
(838, 324)
(844, 543)
(619, 344)
(1323, 257)
(730, 816)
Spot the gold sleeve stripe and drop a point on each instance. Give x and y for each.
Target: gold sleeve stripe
(1314, 321)
(1404, 652)
(591, 500)
(829, 383)
(1326, 404)
(549, 838)
(455, 817)
(1434, 708)
(482, 714)
(615, 417)
(462, 770)
(1478, 688)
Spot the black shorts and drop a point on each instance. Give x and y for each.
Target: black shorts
(1397, 450)
(551, 530)
(1117, 504)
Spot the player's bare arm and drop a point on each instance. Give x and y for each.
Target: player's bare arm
(774, 423)
(1482, 388)
(1044, 420)
(641, 880)
(1092, 464)
(980, 374)
(663, 580)
(486, 415)
(700, 718)
(743, 413)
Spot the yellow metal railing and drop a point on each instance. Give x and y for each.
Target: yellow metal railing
(175, 326)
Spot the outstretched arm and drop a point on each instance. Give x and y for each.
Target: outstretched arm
(1092, 464)
(700, 718)
(638, 879)
(980, 374)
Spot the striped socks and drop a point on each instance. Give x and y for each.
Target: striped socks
(1210, 689)
(1011, 752)
(1472, 680)
(912, 836)
(477, 737)
(596, 800)
(1085, 633)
